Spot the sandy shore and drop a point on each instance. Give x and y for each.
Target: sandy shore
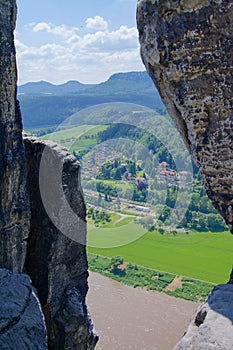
(128, 318)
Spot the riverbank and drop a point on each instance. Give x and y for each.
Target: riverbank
(128, 318)
(150, 279)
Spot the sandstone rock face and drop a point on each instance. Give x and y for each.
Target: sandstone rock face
(14, 204)
(56, 253)
(212, 328)
(22, 323)
(187, 48)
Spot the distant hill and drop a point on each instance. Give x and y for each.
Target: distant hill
(45, 104)
(130, 82)
(45, 88)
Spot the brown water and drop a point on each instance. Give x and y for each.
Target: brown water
(128, 318)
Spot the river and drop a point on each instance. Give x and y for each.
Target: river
(128, 318)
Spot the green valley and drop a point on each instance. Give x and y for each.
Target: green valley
(137, 227)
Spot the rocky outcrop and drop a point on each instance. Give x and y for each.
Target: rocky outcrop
(21, 322)
(14, 205)
(187, 48)
(212, 327)
(56, 253)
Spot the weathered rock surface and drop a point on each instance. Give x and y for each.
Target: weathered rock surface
(56, 252)
(212, 328)
(187, 48)
(14, 204)
(22, 323)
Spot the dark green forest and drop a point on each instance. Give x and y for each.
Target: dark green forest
(45, 105)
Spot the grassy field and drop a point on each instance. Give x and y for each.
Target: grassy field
(77, 138)
(113, 235)
(205, 256)
(69, 133)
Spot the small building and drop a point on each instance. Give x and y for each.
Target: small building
(164, 165)
(143, 209)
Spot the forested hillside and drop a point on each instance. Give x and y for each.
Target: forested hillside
(44, 104)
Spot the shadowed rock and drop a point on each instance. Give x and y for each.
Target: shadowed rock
(56, 251)
(22, 323)
(14, 204)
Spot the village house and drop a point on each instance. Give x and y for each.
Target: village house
(141, 182)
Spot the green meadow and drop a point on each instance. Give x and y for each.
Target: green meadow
(205, 256)
(78, 138)
(112, 235)
(75, 132)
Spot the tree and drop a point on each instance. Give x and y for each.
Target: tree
(174, 232)
(206, 206)
(215, 223)
(165, 214)
(161, 231)
(117, 175)
(194, 205)
(116, 163)
(116, 261)
(132, 168)
(99, 199)
(118, 203)
(147, 222)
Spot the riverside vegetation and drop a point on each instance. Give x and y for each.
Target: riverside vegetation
(139, 276)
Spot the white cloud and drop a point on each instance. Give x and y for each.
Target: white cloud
(50, 28)
(41, 27)
(60, 53)
(96, 23)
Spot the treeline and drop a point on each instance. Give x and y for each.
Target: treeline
(200, 215)
(140, 137)
(41, 131)
(115, 169)
(98, 216)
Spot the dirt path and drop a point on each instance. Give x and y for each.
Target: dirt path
(175, 284)
(123, 216)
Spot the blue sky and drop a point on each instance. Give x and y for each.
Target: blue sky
(88, 40)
